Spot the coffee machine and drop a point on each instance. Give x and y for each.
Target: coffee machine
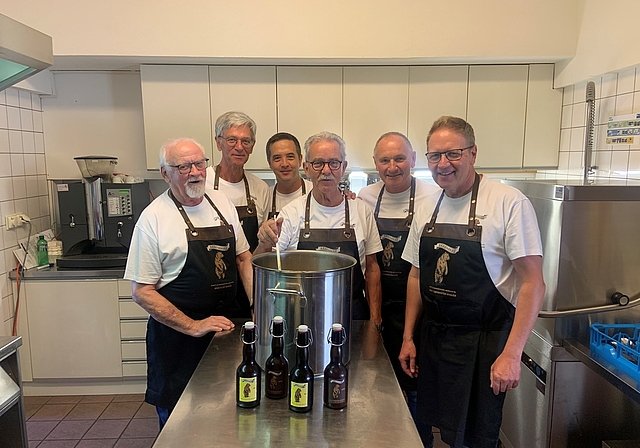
(97, 216)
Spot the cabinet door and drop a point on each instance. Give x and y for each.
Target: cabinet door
(375, 101)
(434, 91)
(309, 100)
(175, 103)
(251, 90)
(74, 328)
(544, 109)
(496, 110)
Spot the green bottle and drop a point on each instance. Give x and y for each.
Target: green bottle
(41, 248)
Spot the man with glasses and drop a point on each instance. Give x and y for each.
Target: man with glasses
(285, 157)
(475, 256)
(325, 220)
(235, 138)
(176, 243)
(394, 200)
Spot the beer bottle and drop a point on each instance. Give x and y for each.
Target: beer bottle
(336, 374)
(248, 379)
(301, 377)
(276, 366)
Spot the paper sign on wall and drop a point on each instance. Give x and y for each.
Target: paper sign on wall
(623, 129)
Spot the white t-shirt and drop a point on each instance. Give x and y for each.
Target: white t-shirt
(322, 217)
(509, 230)
(284, 199)
(396, 205)
(159, 245)
(258, 189)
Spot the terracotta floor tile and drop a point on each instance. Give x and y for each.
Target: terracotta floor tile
(120, 410)
(97, 399)
(141, 427)
(36, 400)
(134, 443)
(65, 399)
(52, 412)
(129, 397)
(58, 444)
(40, 430)
(146, 411)
(86, 411)
(70, 429)
(34, 443)
(30, 409)
(106, 429)
(98, 443)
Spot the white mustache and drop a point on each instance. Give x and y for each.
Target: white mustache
(325, 178)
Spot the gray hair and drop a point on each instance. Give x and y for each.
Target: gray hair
(396, 134)
(235, 118)
(455, 124)
(162, 157)
(325, 136)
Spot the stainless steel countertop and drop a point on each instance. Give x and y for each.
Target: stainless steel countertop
(376, 414)
(8, 345)
(55, 273)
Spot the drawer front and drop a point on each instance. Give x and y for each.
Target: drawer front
(134, 350)
(133, 329)
(131, 310)
(134, 368)
(124, 288)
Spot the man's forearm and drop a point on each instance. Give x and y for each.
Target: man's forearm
(245, 270)
(373, 289)
(161, 309)
(413, 304)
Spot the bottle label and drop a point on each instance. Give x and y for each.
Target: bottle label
(275, 381)
(248, 389)
(337, 392)
(299, 394)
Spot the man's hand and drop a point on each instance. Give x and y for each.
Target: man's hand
(505, 374)
(268, 234)
(407, 359)
(211, 323)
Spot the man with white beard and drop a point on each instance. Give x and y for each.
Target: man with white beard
(187, 255)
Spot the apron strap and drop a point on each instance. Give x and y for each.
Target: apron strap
(347, 223)
(412, 199)
(190, 225)
(250, 203)
(273, 199)
(307, 213)
(471, 224)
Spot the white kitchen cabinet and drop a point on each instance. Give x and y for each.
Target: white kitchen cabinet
(375, 101)
(251, 90)
(434, 91)
(175, 103)
(73, 329)
(544, 109)
(496, 109)
(133, 330)
(309, 100)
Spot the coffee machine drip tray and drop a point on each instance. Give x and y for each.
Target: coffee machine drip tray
(92, 261)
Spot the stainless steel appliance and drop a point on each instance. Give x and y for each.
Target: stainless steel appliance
(311, 288)
(591, 240)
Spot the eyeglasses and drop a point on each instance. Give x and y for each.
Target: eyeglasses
(318, 165)
(185, 168)
(233, 141)
(452, 155)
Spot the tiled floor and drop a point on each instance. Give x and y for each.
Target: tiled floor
(90, 421)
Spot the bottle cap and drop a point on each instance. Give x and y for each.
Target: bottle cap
(303, 329)
(336, 327)
(278, 319)
(249, 325)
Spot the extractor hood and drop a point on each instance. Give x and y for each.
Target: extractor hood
(23, 51)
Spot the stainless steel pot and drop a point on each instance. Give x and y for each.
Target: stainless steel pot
(312, 288)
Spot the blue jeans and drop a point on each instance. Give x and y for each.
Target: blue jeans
(163, 416)
(426, 434)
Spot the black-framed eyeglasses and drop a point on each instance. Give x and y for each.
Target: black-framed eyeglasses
(233, 141)
(452, 155)
(318, 165)
(185, 168)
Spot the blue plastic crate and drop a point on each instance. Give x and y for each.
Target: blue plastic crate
(618, 344)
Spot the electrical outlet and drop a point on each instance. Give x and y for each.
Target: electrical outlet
(16, 220)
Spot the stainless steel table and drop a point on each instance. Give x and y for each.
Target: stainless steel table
(376, 415)
(13, 430)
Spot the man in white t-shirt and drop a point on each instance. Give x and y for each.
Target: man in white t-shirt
(334, 222)
(285, 157)
(187, 255)
(475, 256)
(235, 139)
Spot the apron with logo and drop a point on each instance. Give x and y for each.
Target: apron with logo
(342, 241)
(466, 322)
(247, 214)
(206, 286)
(394, 273)
(273, 211)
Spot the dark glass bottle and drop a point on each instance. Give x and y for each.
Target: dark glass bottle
(276, 366)
(248, 378)
(336, 375)
(301, 377)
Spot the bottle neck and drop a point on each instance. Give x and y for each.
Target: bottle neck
(303, 356)
(336, 354)
(277, 346)
(249, 352)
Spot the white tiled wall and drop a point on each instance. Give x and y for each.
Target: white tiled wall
(616, 94)
(23, 183)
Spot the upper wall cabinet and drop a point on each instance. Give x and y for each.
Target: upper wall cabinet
(496, 110)
(309, 100)
(375, 101)
(175, 103)
(251, 90)
(434, 91)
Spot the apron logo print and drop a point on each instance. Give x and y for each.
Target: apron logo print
(387, 254)
(328, 249)
(395, 239)
(451, 250)
(224, 248)
(220, 266)
(442, 268)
